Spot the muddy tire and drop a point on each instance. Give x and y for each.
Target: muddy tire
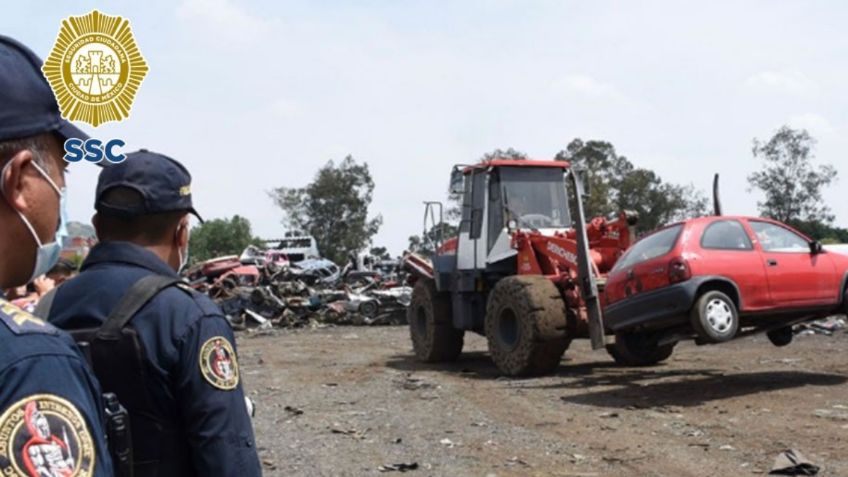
(526, 326)
(781, 336)
(638, 349)
(434, 338)
(714, 317)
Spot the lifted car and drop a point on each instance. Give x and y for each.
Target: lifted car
(718, 278)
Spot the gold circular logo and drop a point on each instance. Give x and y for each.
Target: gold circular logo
(95, 68)
(45, 435)
(218, 363)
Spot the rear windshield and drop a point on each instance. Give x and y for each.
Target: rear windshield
(652, 246)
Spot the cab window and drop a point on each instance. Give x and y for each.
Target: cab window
(774, 238)
(726, 235)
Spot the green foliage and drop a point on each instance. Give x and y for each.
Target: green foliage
(218, 237)
(333, 208)
(821, 231)
(508, 153)
(380, 252)
(616, 185)
(437, 234)
(791, 183)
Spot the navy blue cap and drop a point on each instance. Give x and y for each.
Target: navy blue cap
(164, 185)
(27, 104)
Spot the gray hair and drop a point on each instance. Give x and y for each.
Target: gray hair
(38, 144)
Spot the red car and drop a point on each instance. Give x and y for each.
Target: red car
(718, 278)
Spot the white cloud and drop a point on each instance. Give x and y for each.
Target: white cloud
(815, 123)
(587, 86)
(224, 19)
(792, 82)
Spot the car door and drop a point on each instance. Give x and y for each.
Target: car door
(796, 277)
(727, 251)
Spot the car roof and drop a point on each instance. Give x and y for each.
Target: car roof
(713, 218)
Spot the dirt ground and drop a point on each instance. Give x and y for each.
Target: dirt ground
(346, 401)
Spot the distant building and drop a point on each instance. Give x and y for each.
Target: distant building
(77, 247)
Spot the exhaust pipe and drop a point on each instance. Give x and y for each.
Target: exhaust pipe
(716, 197)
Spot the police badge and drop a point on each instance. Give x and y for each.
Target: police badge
(95, 68)
(45, 435)
(218, 363)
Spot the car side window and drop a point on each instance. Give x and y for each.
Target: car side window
(774, 238)
(726, 235)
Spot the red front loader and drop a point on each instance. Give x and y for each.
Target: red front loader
(522, 271)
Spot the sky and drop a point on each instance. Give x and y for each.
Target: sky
(256, 95)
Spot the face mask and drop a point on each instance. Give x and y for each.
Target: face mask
(48, 253)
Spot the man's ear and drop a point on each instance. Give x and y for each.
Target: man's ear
(14, 183)
(95, 222)
(182, 238)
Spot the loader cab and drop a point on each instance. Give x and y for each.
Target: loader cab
(501, 196)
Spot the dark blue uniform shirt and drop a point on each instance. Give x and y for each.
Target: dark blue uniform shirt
(51, 413)
(191, 359)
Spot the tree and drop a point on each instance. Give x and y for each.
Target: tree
(333, 208)
(218, 237)
(616, 185)
(381, 253)
(437, 233)
(508, 153)
(791, 183)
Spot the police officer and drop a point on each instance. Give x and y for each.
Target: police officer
(189, 417)
(51, 418)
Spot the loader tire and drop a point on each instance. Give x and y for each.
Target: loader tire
(526, 326)
(638, 349)
(434, 339)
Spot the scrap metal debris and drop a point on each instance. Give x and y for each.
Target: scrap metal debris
(792, 462)
(827, 326)
(402, 467)
(262, 289)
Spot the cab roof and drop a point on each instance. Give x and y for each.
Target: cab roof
(516, 163)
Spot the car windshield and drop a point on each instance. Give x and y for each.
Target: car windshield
(652, 246)
(535, 196)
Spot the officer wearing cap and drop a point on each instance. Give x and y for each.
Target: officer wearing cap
(190, 419)
(51, 414)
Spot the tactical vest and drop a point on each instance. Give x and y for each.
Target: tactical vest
(119, 360)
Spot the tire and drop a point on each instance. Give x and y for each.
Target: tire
(781, 336)
(715, 317)
(845, 302)
(434, 339)
(638, 349)
(526, 326)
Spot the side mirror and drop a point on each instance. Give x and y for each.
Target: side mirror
(457, 181)
(816, 247)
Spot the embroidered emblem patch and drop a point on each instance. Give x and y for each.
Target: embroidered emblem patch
(45, 435)
(218, 363)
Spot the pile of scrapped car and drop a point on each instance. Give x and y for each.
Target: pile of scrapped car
(262, 289)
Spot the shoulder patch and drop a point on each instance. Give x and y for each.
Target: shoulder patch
(218, 363)
(42, 435)
(20, 322)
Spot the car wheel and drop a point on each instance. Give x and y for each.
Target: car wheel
(714, 317)
(638, 349)
(781, 336)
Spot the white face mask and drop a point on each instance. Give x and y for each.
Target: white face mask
(47, 254)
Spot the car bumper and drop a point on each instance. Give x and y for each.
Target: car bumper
(661, 308)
